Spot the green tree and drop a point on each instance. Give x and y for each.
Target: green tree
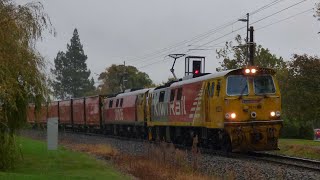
(234, 57)
(301, 98)
(116, 78)
(72, 75)
(21, 70)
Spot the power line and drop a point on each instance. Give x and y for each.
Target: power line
(266, 6)
(279, 11)
(156, 62)
(270, 4)
(309, 10)
(200, 37)
(254, 22)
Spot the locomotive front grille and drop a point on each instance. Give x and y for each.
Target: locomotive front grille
(254, 135)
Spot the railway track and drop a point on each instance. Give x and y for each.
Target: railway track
(302, 163)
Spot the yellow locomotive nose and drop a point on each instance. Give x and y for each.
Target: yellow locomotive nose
(254, 97)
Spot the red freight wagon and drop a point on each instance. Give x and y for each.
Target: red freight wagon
(78, 106)
(65, 112)
(53, 109)
(30, 114)
(107, 105)
(41, 117)
(92, 111)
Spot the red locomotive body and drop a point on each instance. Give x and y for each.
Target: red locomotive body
(126, 108)
(185, 102)
(120, 109)
(179, 103)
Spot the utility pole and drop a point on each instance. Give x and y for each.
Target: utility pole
(123, 78)
(252, 47)
(247, 39)
(247, 36)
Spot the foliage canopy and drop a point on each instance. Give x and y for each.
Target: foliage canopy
(234, 57)
(117, 78)
(301, 96)
(21, 77)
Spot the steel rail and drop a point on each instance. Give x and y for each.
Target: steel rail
(304, 163)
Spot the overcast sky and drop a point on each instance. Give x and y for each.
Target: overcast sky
(113, 31)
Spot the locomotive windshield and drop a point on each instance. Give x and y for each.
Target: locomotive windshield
(264, 85)
(237, 85)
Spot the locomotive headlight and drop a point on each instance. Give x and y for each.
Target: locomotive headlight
(272, 114)
(278, 113)
(247, 71)
(253, 71)
(230, 115)
(233, 115)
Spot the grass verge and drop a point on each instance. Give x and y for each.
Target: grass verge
(160, 162)
(299, 148)
(39, 163)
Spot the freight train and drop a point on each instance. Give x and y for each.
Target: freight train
(234, 110)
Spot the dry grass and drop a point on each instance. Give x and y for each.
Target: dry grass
(299, 148)
(164, 161)
(160, 162)
(100, 150)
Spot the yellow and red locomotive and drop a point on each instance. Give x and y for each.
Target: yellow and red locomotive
(237, 110)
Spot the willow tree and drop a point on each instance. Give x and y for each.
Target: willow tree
(21, 70)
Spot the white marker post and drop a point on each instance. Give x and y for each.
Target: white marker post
(52, 133)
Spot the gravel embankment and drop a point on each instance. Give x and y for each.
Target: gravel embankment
(210, 164)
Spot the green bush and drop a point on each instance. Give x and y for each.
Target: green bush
(293, 129)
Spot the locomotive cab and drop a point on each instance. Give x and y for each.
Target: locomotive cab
(252, 109)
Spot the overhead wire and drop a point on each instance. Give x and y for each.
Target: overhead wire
(308, 10)
(156, 62)
(200, 37)
(254, 22)
(279, 11)
(233, 37)
(266, 6)
(233, 31)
